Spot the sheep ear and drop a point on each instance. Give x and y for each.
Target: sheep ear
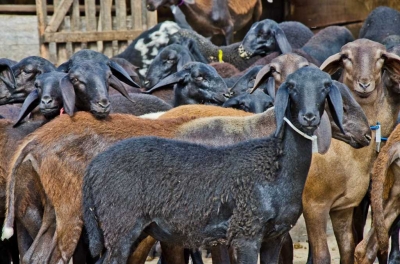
(31, 101)
(262, 75)
(324, 134)
(271, 87)
(392, 63)
(121, 74)
(6, 65)
(171, 79)
(64, 67)
(336, 106)
(332, 64)
(282, 41)
(185, 58)
(117, 85)
(281, 104)
(68, 95)
(231, 102)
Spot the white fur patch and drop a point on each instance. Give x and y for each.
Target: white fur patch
(7, 233)
(157, 39)
(155, 115)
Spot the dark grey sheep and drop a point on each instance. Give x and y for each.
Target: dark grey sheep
(327, 42)
(383, 21)
(143, 104)
(232, 200)
(195, 83)
(18, 83)
(296, 33)
(391, 41)
(148, 44)
(10, 111)
(212, 52)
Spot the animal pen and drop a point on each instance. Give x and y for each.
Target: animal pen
(106, 26)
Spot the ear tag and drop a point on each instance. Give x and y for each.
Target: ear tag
(378, 136)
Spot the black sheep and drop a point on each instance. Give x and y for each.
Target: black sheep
(140, 185)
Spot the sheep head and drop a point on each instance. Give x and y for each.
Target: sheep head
(196, 83)
(20, 77)
(264, 37)
(362, 61)
(302, 98)
(170, 60)
(256, 102)
(272, 75)
(152, 5)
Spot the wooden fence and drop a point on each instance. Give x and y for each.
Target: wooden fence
(107, 26)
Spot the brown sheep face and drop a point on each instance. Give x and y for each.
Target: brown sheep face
(362, 61)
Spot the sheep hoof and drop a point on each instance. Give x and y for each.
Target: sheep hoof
(7, 233)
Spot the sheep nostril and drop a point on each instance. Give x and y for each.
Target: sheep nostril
(368, 137)
(46, 100)
(364, 85)
(309, 118)
(104, 103)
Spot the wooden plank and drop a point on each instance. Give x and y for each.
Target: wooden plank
(120, 17)
(327, 12)
(106, 24)
(59, 15)
(42, 18)
(75, 26)
(62, 37)
(136, 13)
(151, 19)
(90, 14)
(32, 9)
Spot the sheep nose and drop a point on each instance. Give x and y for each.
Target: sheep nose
(46, 100)
(104, 103)
(309, 117)
(368, 137)
(364, 85)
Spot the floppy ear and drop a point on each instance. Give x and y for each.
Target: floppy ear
(6, 65)
(336, 106)
(324, 134)
(281, 104)
(185, 58)
(392, 63)
(270, 89)
(68, 95)
(231, 102)
(121, 74)
(171, 79)
(332, 64)
(282, 41)
(117, 85)
(64, 67)
(262, 75)
(194, 49)
(31, 101)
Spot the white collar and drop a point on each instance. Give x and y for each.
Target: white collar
(313, 138)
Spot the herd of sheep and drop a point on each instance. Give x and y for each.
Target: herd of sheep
(197, 145)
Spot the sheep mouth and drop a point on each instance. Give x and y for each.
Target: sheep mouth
(243, 53)
(364, 94)
(352, 141)
(49, 110)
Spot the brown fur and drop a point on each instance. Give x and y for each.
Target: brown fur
(339, 181)
(224, 69)
(202, 111)
(382, 181)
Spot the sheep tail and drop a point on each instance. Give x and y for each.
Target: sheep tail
(95, 234)
(379, 179)
(18, 158)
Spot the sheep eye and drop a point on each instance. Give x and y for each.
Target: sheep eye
(74, 80)
(170, 61)
(346, 57)
(37, 85)
(199, 78)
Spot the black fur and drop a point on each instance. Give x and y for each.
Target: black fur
(142, 185)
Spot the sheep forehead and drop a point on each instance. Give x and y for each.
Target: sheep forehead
(363, 47)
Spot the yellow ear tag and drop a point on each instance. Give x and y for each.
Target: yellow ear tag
(220, 54)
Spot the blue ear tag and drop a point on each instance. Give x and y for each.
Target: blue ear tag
(378, 135)
(314, 144)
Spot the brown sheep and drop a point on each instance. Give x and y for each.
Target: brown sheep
(210, 17)
(340, 181)
(385, 200)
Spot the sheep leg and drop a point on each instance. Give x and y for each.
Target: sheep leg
(316, 218)
(360, 218)
(172, 254)
(394, 256)
(220, 254)
(139, 256)
(120, 251)
(24, 240)
(195, 254)
(342, 223)
(247, 251)
(47, 221)
(286, 253)
(271, 249)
